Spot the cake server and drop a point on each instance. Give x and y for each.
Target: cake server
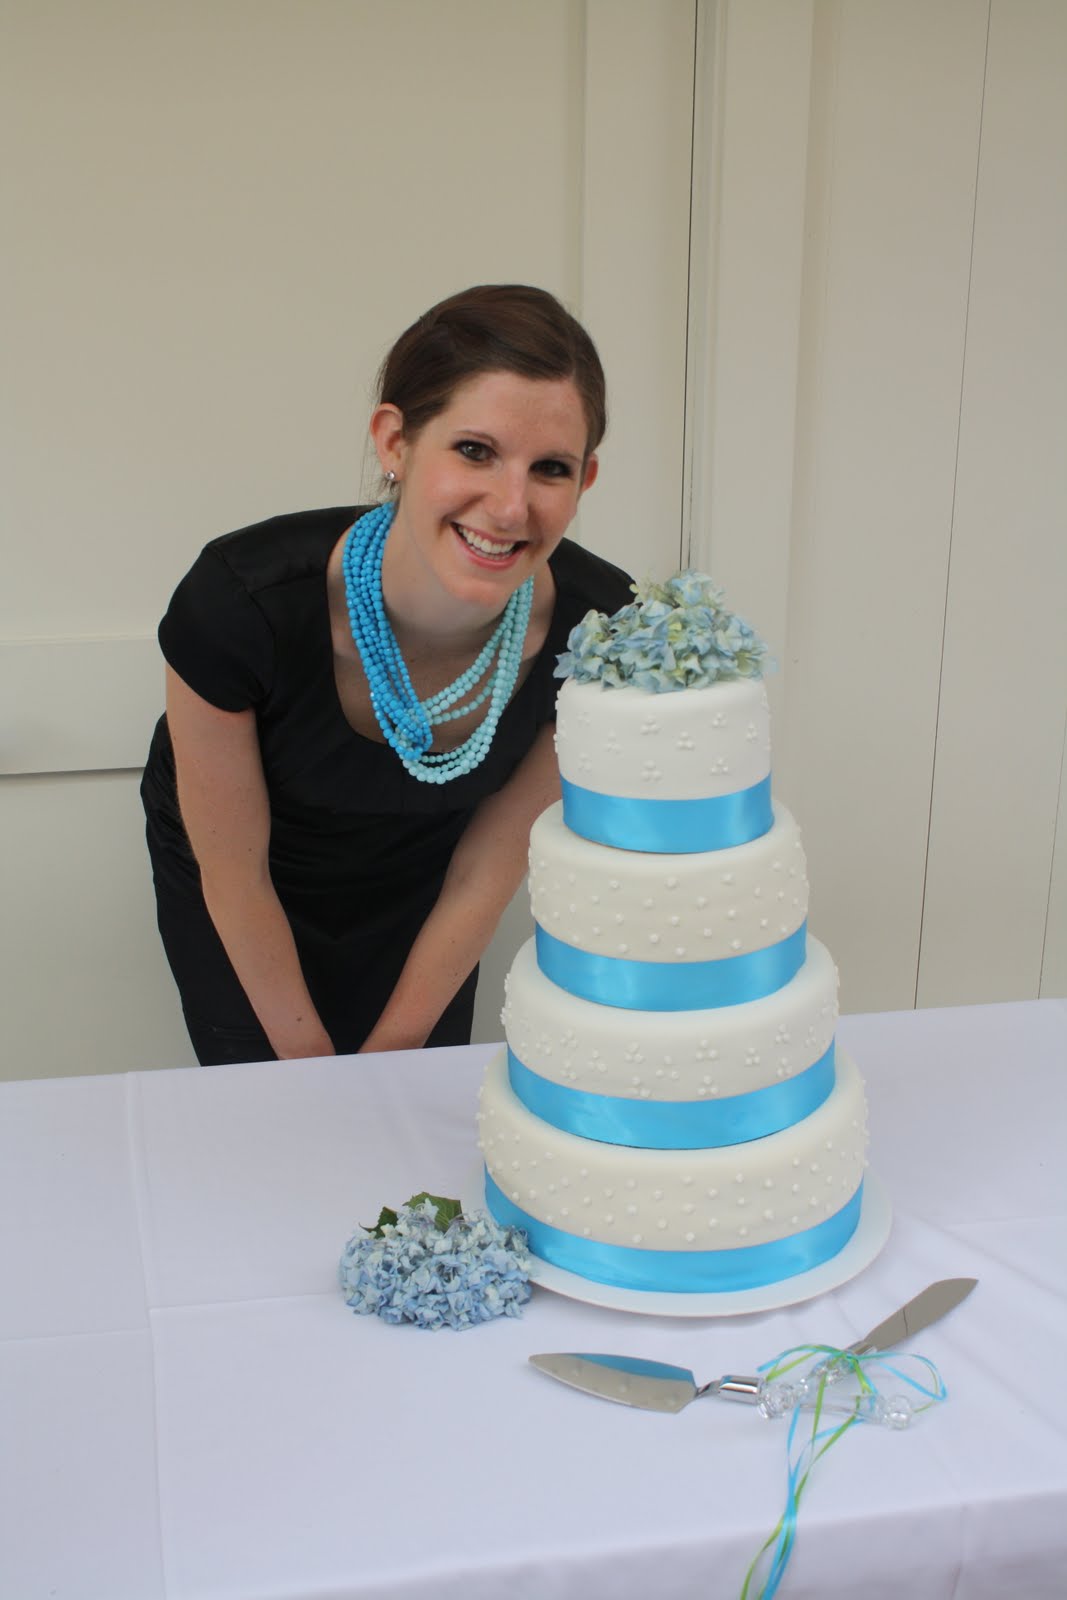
(657, 1386)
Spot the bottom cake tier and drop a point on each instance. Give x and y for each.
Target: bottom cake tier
(679, 1221)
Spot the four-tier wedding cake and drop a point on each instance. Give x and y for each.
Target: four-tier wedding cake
(670, 1112)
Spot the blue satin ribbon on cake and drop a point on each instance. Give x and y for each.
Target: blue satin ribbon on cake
(677, 1124)
(669, 827)
(680, 1271)
(670, 986)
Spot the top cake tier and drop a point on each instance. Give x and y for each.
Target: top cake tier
(667, 773)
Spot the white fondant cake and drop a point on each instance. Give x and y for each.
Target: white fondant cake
(670, 1055)
(667, 908)
(710, 741)
(684, 1200)
(670, 1112)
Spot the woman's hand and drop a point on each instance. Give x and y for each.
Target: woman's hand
(487, 867)
(223, 799)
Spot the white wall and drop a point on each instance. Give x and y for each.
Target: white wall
(219, 216)
(882, 482)
(836, 369)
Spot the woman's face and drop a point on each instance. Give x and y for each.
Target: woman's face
(489, 486)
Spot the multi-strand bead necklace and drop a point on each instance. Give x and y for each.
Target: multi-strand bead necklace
(407, 722)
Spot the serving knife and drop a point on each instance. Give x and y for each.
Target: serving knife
(657, 1386)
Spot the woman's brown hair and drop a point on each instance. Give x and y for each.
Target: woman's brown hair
(496, 327)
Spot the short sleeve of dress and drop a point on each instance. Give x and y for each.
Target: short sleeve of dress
(216, 637)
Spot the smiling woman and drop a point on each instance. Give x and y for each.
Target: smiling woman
(359, 702)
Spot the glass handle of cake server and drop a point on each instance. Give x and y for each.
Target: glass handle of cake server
(773, 1400)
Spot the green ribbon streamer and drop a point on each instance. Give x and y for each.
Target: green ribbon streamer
(782, 1538)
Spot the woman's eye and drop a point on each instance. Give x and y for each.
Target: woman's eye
(473, 450)
(554, 469)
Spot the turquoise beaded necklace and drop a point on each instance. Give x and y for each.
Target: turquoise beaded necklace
(407, 722)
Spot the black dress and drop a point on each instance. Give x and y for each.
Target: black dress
(358, 847)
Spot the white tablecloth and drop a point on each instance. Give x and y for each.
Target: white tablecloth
(188, 1409)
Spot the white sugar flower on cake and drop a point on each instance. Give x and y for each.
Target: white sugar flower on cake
(675, 635)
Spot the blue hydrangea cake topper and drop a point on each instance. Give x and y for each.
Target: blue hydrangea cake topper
(675, 635)
(429, 1264)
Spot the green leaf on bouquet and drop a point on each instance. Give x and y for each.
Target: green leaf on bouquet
(385, 1217)
(446, 1210)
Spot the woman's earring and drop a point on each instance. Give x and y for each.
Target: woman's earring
(390, 478)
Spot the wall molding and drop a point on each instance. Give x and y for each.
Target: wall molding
(78, 705)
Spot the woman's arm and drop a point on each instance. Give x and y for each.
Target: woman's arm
(223, 799)
(487, 867)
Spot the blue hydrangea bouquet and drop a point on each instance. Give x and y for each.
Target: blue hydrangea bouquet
(675, 635)
(429, 1264)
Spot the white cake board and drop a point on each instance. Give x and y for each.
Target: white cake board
(872, 1231)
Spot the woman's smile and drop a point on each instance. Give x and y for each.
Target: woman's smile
(486, 548)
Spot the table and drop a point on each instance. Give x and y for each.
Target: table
(188, 1408)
